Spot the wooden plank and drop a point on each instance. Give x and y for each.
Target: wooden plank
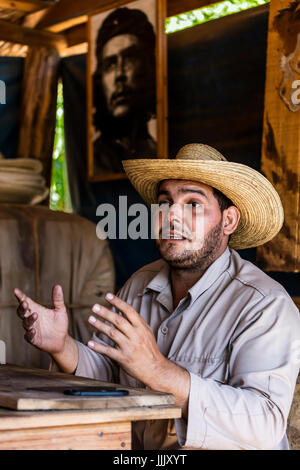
(280, 160)
(77, 40)
(75, 50)
(29, 389)
(161, 82)
(32, 19)
(31, 37)
(72, 22)
(108, 436)
(55, 400)
(76, 35)
(38, 109)
(11, 419)
(67, 13)
(25, 5)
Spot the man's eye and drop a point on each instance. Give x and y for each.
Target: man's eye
(108, 64)
(162, 203)
(195, 204)
(130, 58)
(134, 54)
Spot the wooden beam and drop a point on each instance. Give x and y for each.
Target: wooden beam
(31, 37)
(68, 13)
(75, 50)
(68, 24)
(32, 19)
(77, 41)
(280, 160)
(25, 5)
(38, 109)
(76, 35)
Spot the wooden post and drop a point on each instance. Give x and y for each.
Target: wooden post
(281, 132)
(38, 113)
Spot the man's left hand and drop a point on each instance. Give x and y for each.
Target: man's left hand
(136, 350)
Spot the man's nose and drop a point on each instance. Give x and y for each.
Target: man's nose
(120, 68)
(175, 213)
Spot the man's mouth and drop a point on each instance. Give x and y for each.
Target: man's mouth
(120, 97)
(171, 235)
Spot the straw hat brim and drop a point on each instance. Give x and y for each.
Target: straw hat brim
(22, 194)
(21, 163)
(258, 202)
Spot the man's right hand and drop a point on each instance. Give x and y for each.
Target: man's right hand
(47, 329)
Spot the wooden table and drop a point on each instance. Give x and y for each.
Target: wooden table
(40, 416)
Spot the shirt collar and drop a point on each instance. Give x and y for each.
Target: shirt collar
(162, 279)
(211, 275)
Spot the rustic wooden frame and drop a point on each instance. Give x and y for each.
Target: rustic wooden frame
(161, 89)
(25, 5)
(281, 144)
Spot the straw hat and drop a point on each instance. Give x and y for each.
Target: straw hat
(21, 181)
(255, 197)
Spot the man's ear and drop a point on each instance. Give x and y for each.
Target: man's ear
(231, 218)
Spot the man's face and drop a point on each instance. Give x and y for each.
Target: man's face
(121, 71)
(191, 239)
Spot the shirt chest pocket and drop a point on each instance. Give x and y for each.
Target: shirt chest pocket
(206, 365)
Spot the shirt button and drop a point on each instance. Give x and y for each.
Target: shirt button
(164, 330)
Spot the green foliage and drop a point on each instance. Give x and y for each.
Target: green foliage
(211, 12)
(59, 191)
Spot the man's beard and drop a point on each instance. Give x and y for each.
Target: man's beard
(197, 259)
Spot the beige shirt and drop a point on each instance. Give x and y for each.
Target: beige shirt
(237, 333)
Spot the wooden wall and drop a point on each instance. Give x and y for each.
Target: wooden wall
(281, 132)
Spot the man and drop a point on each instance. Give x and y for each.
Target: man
(201, 323)
(124, 89)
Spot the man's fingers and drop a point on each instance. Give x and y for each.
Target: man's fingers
(29, 335)
(115, 319)
(23, 310)
(58, 298)
(113, 353)
(19, 294)
(113, 333)
(29, 321)
(23, 299)
(124, 307)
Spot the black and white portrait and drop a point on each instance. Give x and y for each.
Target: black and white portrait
(122, 87)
